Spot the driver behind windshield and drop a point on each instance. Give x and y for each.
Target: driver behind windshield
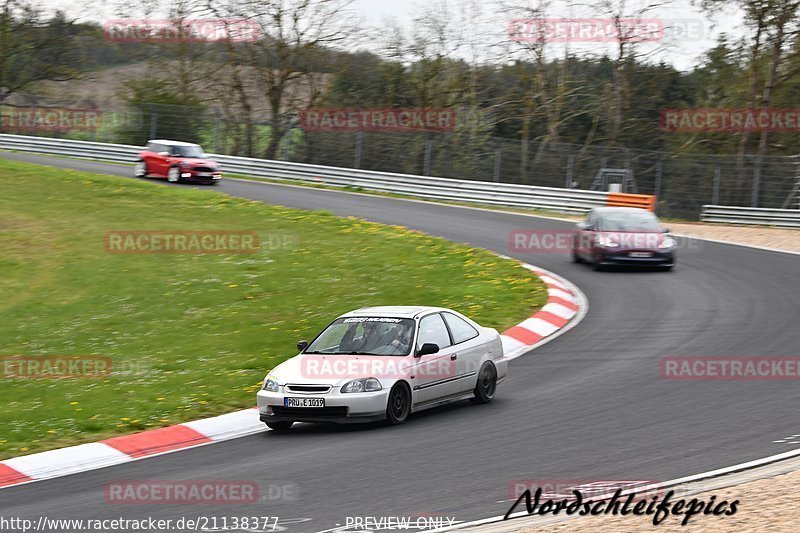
(384, 339)
(366, 336)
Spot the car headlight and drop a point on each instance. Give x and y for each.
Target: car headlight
(183, 164)
(606, 241)
(270, 385)
(668, 242)
(362, 385)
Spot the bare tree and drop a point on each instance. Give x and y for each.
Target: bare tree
(33, 48)
(546, 90)
(774, 26)
(286, 57)
(630, 36)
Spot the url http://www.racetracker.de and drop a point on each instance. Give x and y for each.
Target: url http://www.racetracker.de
(44, 524)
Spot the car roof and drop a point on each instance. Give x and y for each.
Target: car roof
(173, 143)
(608, 210)
(397, 311)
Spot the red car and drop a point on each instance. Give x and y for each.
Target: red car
(177, 161)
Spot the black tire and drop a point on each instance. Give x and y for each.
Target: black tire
(486, 386)
(597, 262)
(398, 406)
(282, 426)
(575, 257)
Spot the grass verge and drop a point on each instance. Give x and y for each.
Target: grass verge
(192, 335)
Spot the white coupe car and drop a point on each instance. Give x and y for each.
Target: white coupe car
(384, 363)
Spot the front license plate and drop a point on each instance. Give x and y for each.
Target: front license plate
(304, 402)
(641, 254)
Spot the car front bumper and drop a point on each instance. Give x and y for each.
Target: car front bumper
(205, 177)
(635, 257)
(339, 407)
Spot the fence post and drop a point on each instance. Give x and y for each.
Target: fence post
(359, 143)
(715, 193)
(756, 182)
(426, 169)
(788, 202)
(216, 131)
(498, 157)
(153, 123)
(659, 177)
(287, 143)
(570, 170)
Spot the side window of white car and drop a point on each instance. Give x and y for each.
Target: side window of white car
(432, 330)
(459, 328)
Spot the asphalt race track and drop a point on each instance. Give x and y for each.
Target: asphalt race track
(590, 405)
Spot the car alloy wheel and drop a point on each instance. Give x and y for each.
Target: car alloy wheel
(487, 384)
(173, 175)
(399, 405)
(140, 169)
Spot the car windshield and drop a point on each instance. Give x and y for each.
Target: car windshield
(188, 151)
(365, 336)
(644, 221)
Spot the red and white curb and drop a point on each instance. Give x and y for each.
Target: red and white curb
(565, 307)
(118, 450)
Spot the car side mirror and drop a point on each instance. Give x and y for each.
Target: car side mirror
(427, 349)
(302, 345)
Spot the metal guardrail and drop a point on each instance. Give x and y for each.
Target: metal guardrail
(482, 192)
(751, 215)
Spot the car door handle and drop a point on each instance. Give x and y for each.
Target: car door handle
(454, 357)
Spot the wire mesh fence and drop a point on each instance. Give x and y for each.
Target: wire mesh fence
(683, 182)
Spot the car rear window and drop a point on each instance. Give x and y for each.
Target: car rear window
(460, 329)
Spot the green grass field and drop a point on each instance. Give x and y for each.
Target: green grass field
(192, 335)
